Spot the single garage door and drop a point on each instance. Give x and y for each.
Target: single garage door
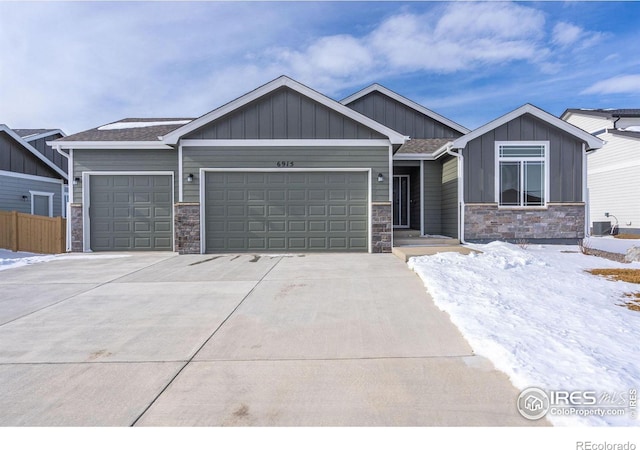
(131, 212)
(282, 211)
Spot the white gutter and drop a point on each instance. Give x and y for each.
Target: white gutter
(585, 190)
(449, 151)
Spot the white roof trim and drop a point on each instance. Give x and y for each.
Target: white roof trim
(284, 143)
(413, 156)
(592, 141)
(98, 145)
(33, 137)
(35, 152)
(175, 135)
(406, 102)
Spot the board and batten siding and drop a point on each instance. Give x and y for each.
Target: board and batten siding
(122, 161)
(284, 114)
(450, 206)
(14, 187)
(400, 117)
(376, 158)
(432, 197)
(49, 152)
(14, 157)
(565, 160)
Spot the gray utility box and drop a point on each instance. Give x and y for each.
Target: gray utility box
(601, 228)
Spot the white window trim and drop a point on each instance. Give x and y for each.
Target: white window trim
(497, 159)
(42, 194)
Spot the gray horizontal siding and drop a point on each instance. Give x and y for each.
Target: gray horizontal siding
(565, 160)
(450, 197)
(14, 188)
(284, 114)
(376, 158)
(14, 157)
(125, 161)
(401, 118)
(432, 197)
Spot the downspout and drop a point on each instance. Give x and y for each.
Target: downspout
(70, 189)
(585, 190)
(460, 157)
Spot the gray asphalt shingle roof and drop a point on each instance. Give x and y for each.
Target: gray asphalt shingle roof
(427, 146)
(622, 112)
(136, 133)
(26, 132)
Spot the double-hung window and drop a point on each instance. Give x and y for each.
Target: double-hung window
(521, 173)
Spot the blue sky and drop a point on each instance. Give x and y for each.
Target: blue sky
(77, 65)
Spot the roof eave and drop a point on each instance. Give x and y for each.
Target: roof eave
(407, 102)
(112, 145)
(34, 151)
(592, 141)
(48, 133)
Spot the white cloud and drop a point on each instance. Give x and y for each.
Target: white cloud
(624, 84)
(566, 34)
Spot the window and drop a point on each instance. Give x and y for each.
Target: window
(42, 203)
(521, 173)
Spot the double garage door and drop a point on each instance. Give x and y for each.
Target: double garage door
(131, 212)
(244, 211)
(286, 211)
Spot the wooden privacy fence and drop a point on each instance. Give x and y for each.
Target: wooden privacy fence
(28, 233)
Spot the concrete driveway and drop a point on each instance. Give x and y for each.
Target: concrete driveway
(164, 340)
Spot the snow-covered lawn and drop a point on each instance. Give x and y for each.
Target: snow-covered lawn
(611, 244)
(541, 319)
(11, 260)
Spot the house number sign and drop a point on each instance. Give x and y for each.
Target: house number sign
(284, 163)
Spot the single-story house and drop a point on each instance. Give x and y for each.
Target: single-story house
(285, 168)
(32, 175)
(613, 171)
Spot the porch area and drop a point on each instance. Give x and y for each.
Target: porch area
(408, 243)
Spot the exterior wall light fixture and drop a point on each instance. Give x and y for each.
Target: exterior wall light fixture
(380, 178)
(190, 178)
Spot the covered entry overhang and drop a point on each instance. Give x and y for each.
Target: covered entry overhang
(424, 192)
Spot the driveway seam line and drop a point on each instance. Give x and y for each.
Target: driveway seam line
(206, 341)
(78, 293)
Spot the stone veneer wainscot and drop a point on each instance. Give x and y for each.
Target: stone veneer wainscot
(555, 221)
(381, 227)
(76, 227)
(187, 228)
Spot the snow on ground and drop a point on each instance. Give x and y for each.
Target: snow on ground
(541, 319)
(11, 260)
(611, 244)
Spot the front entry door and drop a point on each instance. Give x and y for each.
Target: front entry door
(401, 201)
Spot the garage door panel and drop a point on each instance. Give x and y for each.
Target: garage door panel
(131, 212)
(280, 211)
(123, 213)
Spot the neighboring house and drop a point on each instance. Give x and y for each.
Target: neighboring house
(614, 170)
(31, 182)
(285, 168)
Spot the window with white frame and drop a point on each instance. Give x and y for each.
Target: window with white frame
(521, 173)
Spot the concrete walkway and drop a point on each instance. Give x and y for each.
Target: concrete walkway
(160, 339)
